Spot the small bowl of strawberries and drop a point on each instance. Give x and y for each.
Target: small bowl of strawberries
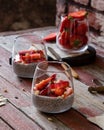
(28, 50)
(52, 87)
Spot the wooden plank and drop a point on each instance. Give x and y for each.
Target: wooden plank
(76, 121)
(17, 119)
(20, 98)
(23, 101)
(86, 103)
(4, 125)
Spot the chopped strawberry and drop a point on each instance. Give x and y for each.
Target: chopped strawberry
(59, 88)
(85, 39)
(59, 91)
(50, 37)
(82, 29)
(80, 15)
(65, 24)
(44, 91)
(26, 58)
(44, 82)
(68, 92)
(31, 56)
(63, 84)
(76, 41)
(65, 39)
(35, 56)
(26, 51)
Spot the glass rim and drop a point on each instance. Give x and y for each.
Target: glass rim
(39, 38)
(68, 68)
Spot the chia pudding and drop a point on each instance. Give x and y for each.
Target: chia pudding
(24, 64)
(52, 104)
(52, 95)
(24, 70)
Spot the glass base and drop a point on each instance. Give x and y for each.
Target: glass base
(73, 51)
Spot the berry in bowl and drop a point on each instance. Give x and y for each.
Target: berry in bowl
(52, 87)
(28, 50)
(74, 32)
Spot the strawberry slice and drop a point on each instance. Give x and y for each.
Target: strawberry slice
(82, 29)
(68, 92)
(21, 53)
(44, 91)
(44, 82)
(35, 56)
(65, 24)
(26, 58)
(78, 14)
(60, 87)
(76, 41)
(50, 37)
(59, 91)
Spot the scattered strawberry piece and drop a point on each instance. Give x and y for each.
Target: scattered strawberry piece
(50, 37)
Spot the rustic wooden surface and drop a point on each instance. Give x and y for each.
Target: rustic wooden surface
(19, 112)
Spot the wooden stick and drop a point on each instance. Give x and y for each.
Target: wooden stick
(74, 73)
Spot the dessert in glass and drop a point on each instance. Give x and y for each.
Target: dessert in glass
(73, 33)
(28, 50)
(52, 87)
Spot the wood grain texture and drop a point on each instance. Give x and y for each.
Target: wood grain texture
(20, 107)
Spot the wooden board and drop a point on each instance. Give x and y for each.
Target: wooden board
(80, 60)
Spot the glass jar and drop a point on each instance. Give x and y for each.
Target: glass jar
(28, 50)
(73, 33)
(52, 87)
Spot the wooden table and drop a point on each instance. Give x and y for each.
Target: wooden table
(19, 112)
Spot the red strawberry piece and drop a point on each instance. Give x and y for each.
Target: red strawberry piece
(85, 39)
(44, 91)
(68, 92)
(26, 51)
(44, 82)
(59, 91)
(76, 41)
(60, 87)
(63, 84)
(35, 56)
(65, 24)
(26, 58)
(65, 38)
(80, 15)
(82, 29)
(50, 37)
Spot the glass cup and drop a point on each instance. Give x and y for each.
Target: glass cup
(73, 33)
(52, 87)
(28, 50)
